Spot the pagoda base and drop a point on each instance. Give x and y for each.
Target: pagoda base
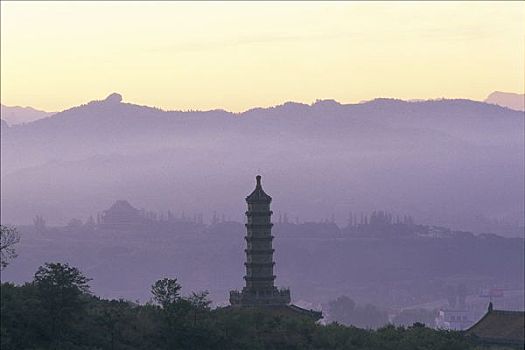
(288, 310)
(260, 297)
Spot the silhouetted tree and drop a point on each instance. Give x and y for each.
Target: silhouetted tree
(40, 223)
(115, 317)
(60, 289)
(200, 303)
(412, 316)
(341, 309)
(344, 310)
(166, 291)
(9, 237)
(74, 224)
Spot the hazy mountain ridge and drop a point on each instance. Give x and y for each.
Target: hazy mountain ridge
(507, 99)
(355, 154)
(14, 115)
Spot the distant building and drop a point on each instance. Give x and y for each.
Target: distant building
(121, 216)
(499, 328)
(452, 319)
(260, 290)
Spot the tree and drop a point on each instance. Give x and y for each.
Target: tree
(9, 236)
(409, 317)
(60, 289)
(166, 291)
(74, 224)
(341, 309)
(200, 303)
(344, 310)
(40, 223)
(114, 316)
(119, 324)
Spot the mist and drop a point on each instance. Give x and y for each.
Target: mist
(457, 163)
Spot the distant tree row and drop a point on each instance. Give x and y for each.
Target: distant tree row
(378, 218)
(379, 224)
(345, 311)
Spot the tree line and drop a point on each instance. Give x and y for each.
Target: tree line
(57, 310)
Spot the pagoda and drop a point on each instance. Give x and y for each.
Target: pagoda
(259, 289)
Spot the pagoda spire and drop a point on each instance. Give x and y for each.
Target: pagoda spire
(258, 195)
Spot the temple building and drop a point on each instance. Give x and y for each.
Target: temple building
(499, 329)
(259, 289)
(121, 216)
(454, 319)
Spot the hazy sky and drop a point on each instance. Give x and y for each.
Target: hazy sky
(237, 55)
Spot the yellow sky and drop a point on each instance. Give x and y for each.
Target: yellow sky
(236, 55)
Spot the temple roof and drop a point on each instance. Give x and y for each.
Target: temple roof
(500, 327)
(288, 310)
(258, 195)
(122, 206)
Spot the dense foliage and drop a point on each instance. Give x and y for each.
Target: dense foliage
(57, 311)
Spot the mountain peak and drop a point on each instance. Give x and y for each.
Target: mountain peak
(326, 103)
(114, 98)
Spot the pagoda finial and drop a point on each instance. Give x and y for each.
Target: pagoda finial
(258, 194)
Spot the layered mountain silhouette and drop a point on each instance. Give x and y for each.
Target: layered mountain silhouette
(507, 99)
(447, 162)
(18, 115)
